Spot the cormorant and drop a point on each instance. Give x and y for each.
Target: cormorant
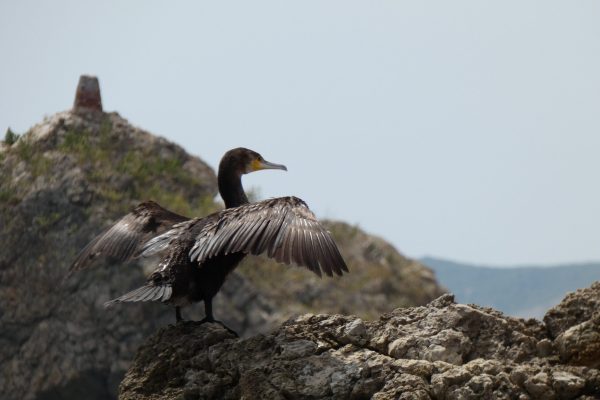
(196, 255)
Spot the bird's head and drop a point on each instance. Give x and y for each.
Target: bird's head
(244, 161)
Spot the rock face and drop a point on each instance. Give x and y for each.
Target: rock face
(575, 326)
(58, 189)
(440, 351)
(67, 179)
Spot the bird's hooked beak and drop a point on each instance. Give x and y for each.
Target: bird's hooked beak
(258, 165)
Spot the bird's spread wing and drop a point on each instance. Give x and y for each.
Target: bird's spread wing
(122, 240)
(283, 228)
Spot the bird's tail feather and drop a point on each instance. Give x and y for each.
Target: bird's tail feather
(144, 293)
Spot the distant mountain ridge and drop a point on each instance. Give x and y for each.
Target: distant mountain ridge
(527, 291)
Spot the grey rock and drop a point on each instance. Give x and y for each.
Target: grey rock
(355, 332)
(567, 385)
(297, 349)
(577, 307)
(538, 386)
(580, 344)
(439, 351)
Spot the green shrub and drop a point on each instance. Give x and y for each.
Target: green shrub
(10, 137)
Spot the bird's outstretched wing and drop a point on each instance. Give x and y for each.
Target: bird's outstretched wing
(283, 228)
(122, 240)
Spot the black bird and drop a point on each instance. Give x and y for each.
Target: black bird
(196, 255)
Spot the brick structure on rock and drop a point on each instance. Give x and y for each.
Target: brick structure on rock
(88, 94)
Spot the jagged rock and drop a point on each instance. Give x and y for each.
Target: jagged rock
(68, 178)
(577, 307)
(575, 325)
(440, 351)
(580, 344)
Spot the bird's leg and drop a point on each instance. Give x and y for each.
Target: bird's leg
(208, 314)
(210, 318)
(178, 314)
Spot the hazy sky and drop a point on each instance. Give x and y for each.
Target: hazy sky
(462, 129)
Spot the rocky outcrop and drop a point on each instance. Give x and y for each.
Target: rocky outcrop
(575, 326)
(75, 173)
(440, 351)
(58, 188)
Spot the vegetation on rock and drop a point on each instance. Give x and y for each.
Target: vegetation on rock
(10, 137)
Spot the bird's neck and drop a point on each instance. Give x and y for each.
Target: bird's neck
(230, 188)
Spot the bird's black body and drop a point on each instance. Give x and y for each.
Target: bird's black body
(196, 255)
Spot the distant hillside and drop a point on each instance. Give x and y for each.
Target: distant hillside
(523, 292)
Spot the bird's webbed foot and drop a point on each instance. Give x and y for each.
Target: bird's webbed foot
(212, 320)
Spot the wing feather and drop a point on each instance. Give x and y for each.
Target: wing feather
(122, 240)
(313, 255)
(251, 235)
(287, 246)
(144, 293)
(159, 293)
(283, 228)
(326, 256)
(161, 242)
(167, 295)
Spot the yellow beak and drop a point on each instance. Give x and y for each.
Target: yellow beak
(258, 165)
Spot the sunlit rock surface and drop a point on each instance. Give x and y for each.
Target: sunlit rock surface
(442, 350)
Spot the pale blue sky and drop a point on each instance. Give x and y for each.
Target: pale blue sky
(462, 129)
